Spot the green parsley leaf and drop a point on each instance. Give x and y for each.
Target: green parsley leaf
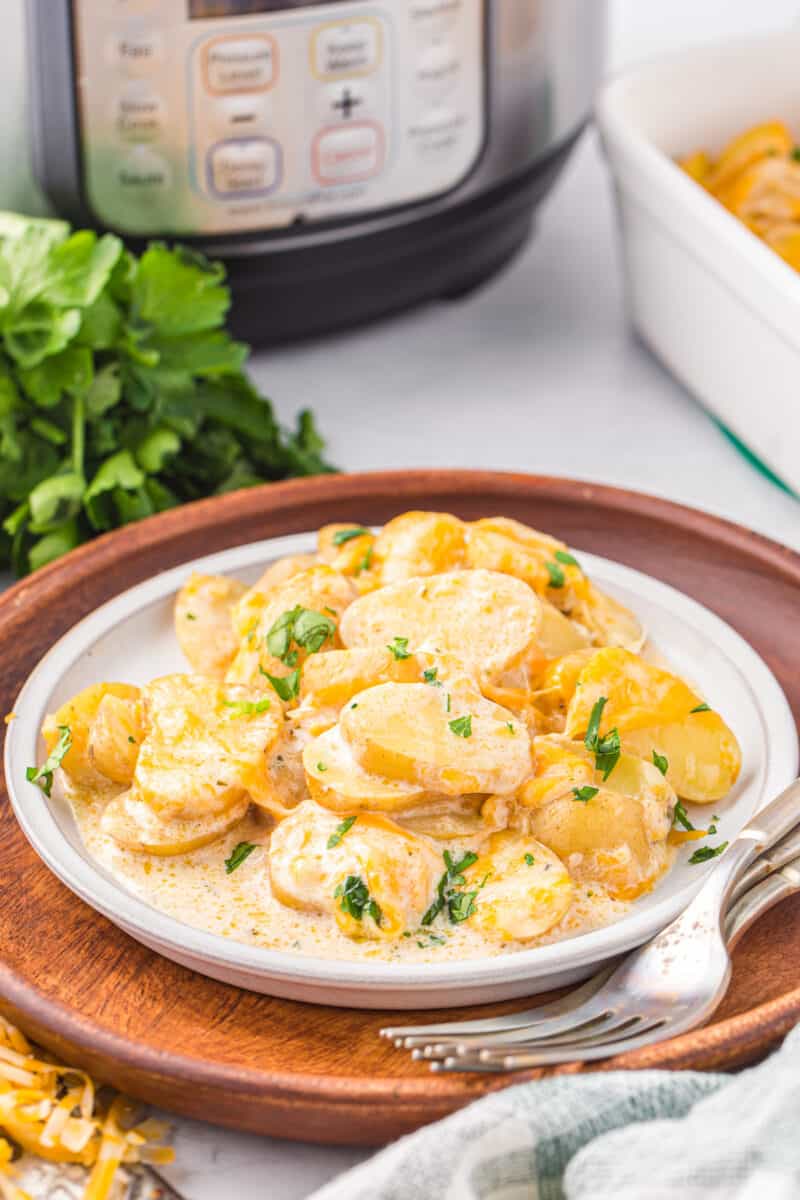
(340, 831)
(346, 535)
(704, 853)
(461, 726)
(700, 708)
(246, 708)
(429, 676)
(712, 829)
(460, 906)
(366, 561)
(287, 686)
(661, 761)
(795, 154)
(356, 900)
(567, 559)
(681, 817)
(399, 648)
(43, 776)
(510, 726)
(447, 894)
(529, 860)
(557, 576)
(312, 630)
(606, 749)
(132, 740)
(191, 617)
(321, 767)
(447, 705)
(237, 856)
(584, 794)
(279, 636)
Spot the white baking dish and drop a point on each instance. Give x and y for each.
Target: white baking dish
(719, 307)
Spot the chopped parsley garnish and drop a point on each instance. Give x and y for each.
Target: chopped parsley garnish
(557, 576)
(399, 648)
(712, 829)
(510, 726)
(529, 860)
(346, 535)
(568, 559)
(584, 794)
(661, 761)
(447, 704)
(287, 686)
(461, 726)
(191, 617)
(341, 830)
(459, 905)
(606, 749)
(321, 767)
(132, 740)
(795, 154)
(681, 817)
(366, 561)
(238, 855)
(700, 708)
(429, 676)
(246, 708)
(307, 628)
(704, 853)
(356, 900)
(43, 776)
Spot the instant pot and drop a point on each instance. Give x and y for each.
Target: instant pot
(345, 159)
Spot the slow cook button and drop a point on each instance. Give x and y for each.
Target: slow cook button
(137, 52)
(347, 48)
(247, 167)
(344, 155)
(144, 173)
(233, 64)
(140, 114)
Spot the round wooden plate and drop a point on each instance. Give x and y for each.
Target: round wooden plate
(90, 993)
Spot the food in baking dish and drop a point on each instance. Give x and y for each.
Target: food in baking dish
(440, 739)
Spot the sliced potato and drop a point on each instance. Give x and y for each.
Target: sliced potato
(203, 622)
(282, 570)
(115, 736)
(449, 818)
(79, 714)
(353, 555)
(205, 746)
(333, 678)
(418, 543)
(373, 861)
(451, 742)
(653, 711)
(338, 782)
(558, 635)
(521, 888)
(609, 622)
(136, 826)
(488, 621)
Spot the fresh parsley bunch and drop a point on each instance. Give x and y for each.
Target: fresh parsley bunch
(121, 392)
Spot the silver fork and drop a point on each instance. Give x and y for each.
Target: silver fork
(663, 989)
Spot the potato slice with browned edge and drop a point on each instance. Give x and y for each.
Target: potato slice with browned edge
(338, 782)
(655, 711)
(133, 824)
(519, 888)
(333, 678)
(488, 621)
(115, 736)
(78, 714)
(418, 543)
(374, 877)
(203, 622)
(449, 741)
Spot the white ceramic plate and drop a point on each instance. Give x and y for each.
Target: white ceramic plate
(700, 646)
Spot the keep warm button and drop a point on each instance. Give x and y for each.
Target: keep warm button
(346, 155)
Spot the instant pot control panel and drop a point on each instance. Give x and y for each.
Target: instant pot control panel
(207, 118)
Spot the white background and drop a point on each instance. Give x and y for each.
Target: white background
(537, 372)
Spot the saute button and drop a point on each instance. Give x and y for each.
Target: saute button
(347, 48)
(246, 167)
(342, 155)
(140, 114)
(233, 64)
(143, 172)
(137, 52)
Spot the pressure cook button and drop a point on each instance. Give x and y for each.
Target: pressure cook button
(140, 114)
(244, 167)
(347, 48)
(144, 173)
(437, 69)
(137, 52)
(344, 155)
(235, 64)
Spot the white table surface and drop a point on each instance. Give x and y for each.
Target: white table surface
(537, 372)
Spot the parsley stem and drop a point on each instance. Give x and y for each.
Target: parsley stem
(78, 433)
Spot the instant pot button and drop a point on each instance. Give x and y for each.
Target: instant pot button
(235, 64)
(140, 114)
(144, 173)
(135, 52)
(242, 115)
(437, 70)
(344, 155)
(244, 167)
(347, 48)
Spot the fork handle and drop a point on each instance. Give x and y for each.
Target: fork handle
(749, 907)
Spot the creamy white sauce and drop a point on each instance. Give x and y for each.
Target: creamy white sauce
(194, 888)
